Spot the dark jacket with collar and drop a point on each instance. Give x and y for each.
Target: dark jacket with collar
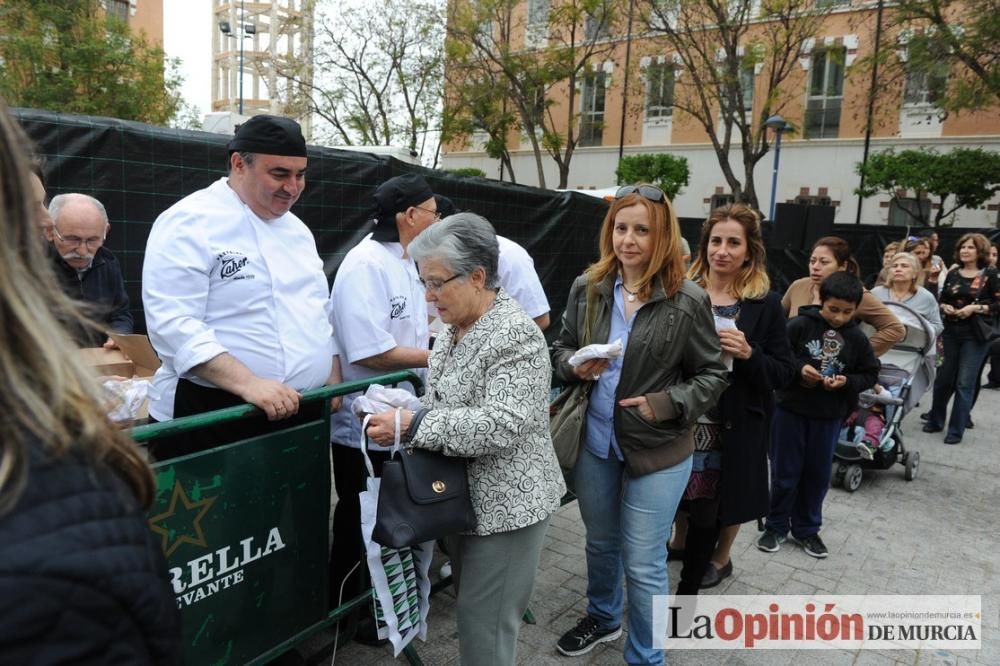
(82, 578)
(673, 358)
(745, 409)
(102, 288)
(841, 351)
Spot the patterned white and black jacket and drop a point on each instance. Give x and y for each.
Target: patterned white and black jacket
(487, 399)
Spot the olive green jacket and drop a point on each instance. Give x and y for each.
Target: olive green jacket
(672, 358)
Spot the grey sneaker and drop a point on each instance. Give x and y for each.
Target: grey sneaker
(587, 633)
(865, 450)
(770, 541)
(813, 546)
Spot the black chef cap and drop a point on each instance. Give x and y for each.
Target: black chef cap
(395, 196)
(269, 135)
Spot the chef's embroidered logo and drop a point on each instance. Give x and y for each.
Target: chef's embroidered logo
(232, 263)
(397, 307)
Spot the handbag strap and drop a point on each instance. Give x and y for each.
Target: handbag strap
(364, 441)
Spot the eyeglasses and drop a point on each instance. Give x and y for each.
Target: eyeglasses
(436, 214)
(649, 192)
(437, 285)
(76, 241)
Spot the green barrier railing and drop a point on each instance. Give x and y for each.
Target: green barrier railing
(244, 527)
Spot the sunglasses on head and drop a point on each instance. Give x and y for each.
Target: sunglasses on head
(654, 194)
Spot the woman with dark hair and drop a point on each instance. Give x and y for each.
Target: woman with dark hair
(970, 290)
(635, 457)
(82, 580)
(728, 486)
(829, 255)
(993, 378)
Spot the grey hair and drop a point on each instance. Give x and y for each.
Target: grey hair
(60, 200)
(918, 271)
(463, 242)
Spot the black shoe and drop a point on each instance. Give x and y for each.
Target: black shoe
(925, 416)
(674, 554)
(930, 427)
(969, 425)
(714, 575)
(587, 633)
(813, 546)
(770, 541)
(991, 385)
(952, 439)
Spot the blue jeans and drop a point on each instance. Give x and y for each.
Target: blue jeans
(963, 361)
(628, 522)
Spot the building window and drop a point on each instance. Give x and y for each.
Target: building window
(746, 85)
(592, 109)
(828, 4)
(537, 30)
(826, 94)
(659, 90)
(117, 10)
(925, 84)
(908, 211)
(813, 201)
(720, 200)
(596, 27)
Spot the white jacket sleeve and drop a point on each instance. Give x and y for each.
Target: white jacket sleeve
(176, 276)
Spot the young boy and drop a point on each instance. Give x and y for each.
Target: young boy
(835, 363)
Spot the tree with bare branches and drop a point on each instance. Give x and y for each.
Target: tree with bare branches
(378, 74)
(552, 45)
(729, 52)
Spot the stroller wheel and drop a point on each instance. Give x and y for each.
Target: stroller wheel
(911, 464)
(852, 478)
(839, 470)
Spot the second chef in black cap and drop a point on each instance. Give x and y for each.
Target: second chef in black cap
(379, 318)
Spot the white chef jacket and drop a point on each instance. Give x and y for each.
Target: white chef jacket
(217, 278)
(519, 279)
(377, 303)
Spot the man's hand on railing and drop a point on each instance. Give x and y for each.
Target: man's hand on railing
(277, 400)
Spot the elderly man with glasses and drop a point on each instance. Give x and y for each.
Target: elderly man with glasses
(87, 270)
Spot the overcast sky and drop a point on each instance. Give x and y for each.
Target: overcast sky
(187, 34)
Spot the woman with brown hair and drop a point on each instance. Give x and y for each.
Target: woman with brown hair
(636, 453)
(81, 577)
(971, 290)
(729, 484)
(829, 255)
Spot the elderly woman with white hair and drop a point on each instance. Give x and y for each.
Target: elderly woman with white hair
(904, 281)
(487, 400)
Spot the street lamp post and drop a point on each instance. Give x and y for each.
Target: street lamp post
(246, 30)
(778, 124)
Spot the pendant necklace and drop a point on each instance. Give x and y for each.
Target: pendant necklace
(631, 294)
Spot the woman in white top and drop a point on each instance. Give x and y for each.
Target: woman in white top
(904, 286)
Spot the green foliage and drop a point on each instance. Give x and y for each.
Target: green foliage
(960, 35)
(468, 172)
(667, 172)
(970, 175)
(70, 57)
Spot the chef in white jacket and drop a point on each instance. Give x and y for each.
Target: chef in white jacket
(234, 291)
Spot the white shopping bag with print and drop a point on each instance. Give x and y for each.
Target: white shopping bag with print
(399, 576)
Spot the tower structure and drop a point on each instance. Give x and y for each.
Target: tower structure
(265, 45)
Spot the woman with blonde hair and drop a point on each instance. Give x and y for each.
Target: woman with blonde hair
(81, 577)
(729, 484)
(904, 285)
(636, 453)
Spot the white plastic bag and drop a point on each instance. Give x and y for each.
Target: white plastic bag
(590, 352)
(399, 576)
(127, 397)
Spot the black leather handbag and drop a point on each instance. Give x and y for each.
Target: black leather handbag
(423, 496)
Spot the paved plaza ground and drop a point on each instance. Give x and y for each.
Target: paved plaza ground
(939, 534)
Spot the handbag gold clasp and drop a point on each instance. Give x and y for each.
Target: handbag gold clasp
(438, 487)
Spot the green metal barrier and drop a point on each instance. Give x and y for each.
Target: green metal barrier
(244, 528)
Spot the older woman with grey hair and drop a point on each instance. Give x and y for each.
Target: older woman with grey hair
(487, 400)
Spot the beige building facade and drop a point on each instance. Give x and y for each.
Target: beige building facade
(825, 99)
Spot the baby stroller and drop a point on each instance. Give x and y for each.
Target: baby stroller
(906, 374)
